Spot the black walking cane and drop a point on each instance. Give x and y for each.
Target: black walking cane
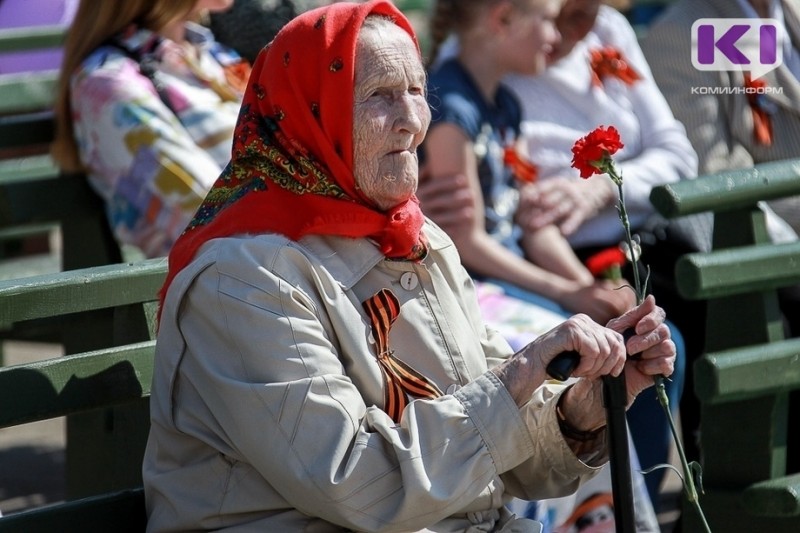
(614, 400)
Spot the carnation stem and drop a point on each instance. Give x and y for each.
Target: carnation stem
(689, 488)
(623, 216)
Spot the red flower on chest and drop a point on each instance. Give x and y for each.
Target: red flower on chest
(608, 62)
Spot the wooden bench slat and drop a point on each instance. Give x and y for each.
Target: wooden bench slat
(29, 168)
(726, 513)
(24, 129)
(29, 265)
(738, 270)
(29, 91)
(778, 497)
(121, 511)
(74, 383)
(748, 372)
(81, 290)
(413, 5)
(31, 38)
(33, 167)
(728, 191)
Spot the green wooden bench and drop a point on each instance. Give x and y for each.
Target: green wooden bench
(744, 377)
(81, 309)
(38, 201)
(28, 91)
(103, 475)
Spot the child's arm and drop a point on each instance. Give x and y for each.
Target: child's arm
(548, 249)
(452, 154)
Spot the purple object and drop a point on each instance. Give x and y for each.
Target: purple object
(726, 44)
(26, 13)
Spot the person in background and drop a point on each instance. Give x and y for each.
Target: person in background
(146, 105)
(250, 24)
(597, 75)
(744, 121)
(735, 122)
(475, 133)
(33, 14)
(321, 363)
(558, 106)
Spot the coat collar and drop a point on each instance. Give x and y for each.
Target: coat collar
(348, 260)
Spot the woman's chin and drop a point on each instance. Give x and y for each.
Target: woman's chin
(388, 201)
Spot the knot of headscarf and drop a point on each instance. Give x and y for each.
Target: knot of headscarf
(291, 168)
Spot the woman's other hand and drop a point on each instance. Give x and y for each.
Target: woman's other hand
(564, 202)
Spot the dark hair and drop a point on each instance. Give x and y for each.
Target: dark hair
(249, 25)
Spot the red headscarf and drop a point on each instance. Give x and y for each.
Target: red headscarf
(291, 169)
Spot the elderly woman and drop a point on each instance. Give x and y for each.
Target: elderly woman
(321, 362)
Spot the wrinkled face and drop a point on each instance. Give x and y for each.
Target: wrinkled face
(390, 114)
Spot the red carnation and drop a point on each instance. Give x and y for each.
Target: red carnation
(591, 154)
(607, 263)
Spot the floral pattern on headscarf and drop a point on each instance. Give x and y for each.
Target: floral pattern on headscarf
(274, 162)
(291, 168)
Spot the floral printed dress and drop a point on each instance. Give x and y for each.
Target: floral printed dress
(154, 124)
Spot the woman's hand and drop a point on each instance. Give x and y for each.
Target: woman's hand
(564, 202)
(652, 349)
(602, 352)
(650, 352)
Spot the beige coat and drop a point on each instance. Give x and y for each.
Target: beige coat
(720, 126)
(266, 404)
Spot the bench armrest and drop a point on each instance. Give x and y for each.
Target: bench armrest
(779, 497)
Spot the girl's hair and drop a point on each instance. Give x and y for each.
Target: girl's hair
(94, 23)
(447, 16)
(453, 16)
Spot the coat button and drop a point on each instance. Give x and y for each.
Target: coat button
(409, 281)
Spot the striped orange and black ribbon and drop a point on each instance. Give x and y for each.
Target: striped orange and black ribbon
(400, 380)
(762, 121)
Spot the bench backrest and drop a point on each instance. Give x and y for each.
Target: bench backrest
(109, 383)
(744, 378)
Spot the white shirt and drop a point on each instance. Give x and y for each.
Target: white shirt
(561, 105)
